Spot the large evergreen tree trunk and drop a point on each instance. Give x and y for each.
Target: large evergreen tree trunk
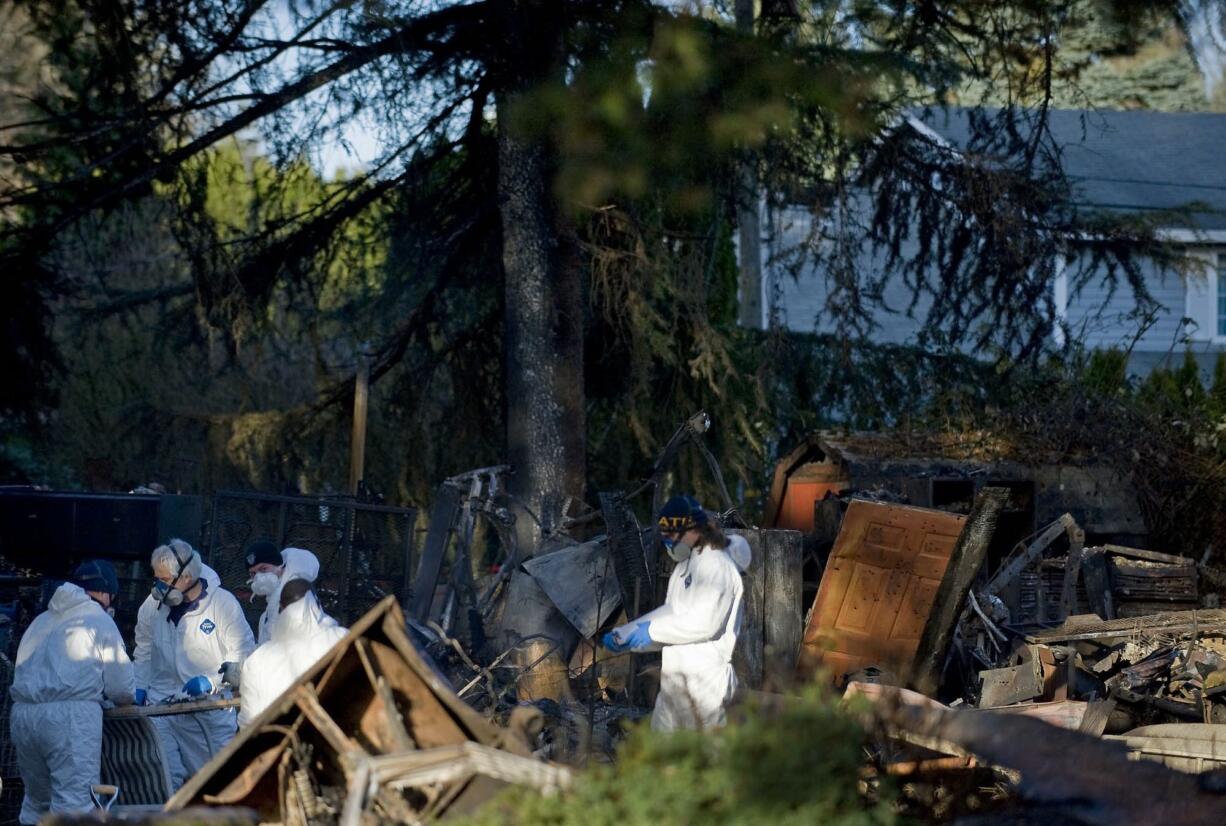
(749, 226)
(544, 301)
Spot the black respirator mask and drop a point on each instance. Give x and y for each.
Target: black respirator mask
(168, 594)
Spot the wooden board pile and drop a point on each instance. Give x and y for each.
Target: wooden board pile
(1129, 639)
(369, 731)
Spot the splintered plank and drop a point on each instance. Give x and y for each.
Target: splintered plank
(1089, 626)
(428, 722)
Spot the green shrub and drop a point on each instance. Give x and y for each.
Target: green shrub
(798, 764)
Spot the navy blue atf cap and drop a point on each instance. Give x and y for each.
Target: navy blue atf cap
(679, 514)
(263, 551)
(97, 575)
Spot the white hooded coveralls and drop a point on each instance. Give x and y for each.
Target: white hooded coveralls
(168, 655)
(697, 625)
(297, 563)
(299, 637)
(69, 659)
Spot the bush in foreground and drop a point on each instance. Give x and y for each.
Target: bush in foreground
(797, 763)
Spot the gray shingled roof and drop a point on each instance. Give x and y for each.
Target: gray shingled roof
(1132, 160)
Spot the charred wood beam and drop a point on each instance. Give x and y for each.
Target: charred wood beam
(442, 521)
(1084, 778)
(964, 564)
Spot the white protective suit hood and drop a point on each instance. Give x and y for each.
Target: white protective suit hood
(211, 577)
(299, 636)
(299, 563)
(67, 597)
(72, 651)
(739, 552)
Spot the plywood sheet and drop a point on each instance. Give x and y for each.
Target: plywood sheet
(878, 588)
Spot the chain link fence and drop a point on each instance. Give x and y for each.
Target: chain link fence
(365, 551)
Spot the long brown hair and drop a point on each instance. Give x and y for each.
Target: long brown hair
(710, 534)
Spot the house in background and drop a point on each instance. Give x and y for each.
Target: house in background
(1124, 161)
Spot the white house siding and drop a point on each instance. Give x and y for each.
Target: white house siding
(1101, 317)
(1097, 315)
(800, 298)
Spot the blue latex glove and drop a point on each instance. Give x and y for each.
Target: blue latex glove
(142, 697)
(611, 643)
(639, 638)
(198, 686)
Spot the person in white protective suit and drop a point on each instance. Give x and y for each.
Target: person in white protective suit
(191, 637)
(70, 659)
(300, 635)
(698, 623)
(270, 569)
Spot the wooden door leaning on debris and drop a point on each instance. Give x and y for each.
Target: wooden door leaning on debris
(878, 588)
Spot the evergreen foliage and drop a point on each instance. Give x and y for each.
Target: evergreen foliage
(209, 300)
(799, 764)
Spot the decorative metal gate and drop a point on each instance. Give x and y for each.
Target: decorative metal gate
(365, 551)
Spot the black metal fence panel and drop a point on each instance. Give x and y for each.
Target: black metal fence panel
(365, 551)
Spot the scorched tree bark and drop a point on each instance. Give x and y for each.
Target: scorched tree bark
(544, 306)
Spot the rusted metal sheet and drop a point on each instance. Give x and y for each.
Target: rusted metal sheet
(581, 581)
(802, 478)
(878, 588)
(1033, 677)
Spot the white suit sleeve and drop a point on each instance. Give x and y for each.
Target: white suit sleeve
(237, 641)
(143, 653)
(251, 693)
(655, 614)
(265, 620)
(703, 612)
(118, 676)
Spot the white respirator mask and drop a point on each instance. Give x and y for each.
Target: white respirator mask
(679, 551)
(264, 583)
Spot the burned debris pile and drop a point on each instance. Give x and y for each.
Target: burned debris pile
(1126, 630)
(371, 730)
(1052, 675)
(1123, 648)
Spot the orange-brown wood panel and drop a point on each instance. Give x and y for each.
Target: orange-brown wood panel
(878, 588)
(796, 510)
